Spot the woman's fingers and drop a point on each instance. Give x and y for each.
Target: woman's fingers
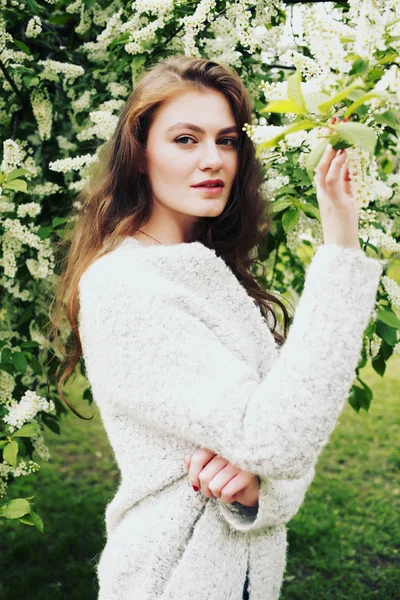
(335, 183)
(325, 162)
(332, 177)
(198, 461)
(215, 475)
(220, 479)
(243, 488)
(345, 178)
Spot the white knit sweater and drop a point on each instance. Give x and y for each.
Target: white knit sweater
(179, 357)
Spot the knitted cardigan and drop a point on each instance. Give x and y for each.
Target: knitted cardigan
(179, 357)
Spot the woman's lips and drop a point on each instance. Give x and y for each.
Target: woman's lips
(209, 190)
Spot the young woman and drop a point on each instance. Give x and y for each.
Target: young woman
(178, 349)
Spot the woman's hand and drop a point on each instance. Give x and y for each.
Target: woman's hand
(338, 208)
(218, 478)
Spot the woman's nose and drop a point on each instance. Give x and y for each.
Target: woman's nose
(211, 156)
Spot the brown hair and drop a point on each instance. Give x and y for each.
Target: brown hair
(117, 198)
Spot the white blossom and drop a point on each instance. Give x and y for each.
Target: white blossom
(26, 410)
(392, 289)
(43, 111)
(34, 27)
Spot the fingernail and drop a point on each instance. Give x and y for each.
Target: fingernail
(196, 489)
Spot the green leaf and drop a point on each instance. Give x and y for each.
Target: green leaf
(16, 173)
(26, 316)
(299, 126)
(35, 8)
(301, 175)
(14, 509)
(389, 318)
(51, 423)
(387, 166)
(27, 519)
(30, 81)
(88, 395)
(122, 39)
(138, 63)
(33, 519)
(387, 333)
(285, 190)
(347, 38)
(10, 453)
(283, 106)
(27, 430)
(44, 232)
(7, 368)
(279, 205)
(370, 330)
(379, 365)
(19, 185)
(388, 118)
(290, 219)
(325, 106)
(364, 98)
(388, 58)
(314, 157)
(311, 211)
(49, 76)
(29, 344)
(6, 355)
(21, 46)
(58, 221)
(360, 398)
(294, 90)
(357, 134)
(3, 443)
(313, 101)
(19, 361)
(359, 66)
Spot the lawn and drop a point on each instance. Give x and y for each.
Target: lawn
(343, 544)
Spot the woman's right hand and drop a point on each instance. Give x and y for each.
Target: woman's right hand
(337, 206)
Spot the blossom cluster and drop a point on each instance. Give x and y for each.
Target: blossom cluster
(26, 409)
(34, 27)
(24, 468)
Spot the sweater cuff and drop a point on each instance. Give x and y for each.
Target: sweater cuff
(278, 502)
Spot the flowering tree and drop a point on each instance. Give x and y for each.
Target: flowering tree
(318, 73)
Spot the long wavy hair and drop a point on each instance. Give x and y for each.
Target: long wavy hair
(116, 201)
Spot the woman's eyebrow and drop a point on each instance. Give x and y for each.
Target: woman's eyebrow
(233, 128)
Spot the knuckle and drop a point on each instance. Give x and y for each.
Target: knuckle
(202, 478)
(226, 498)
(197, 460)
(214, 490)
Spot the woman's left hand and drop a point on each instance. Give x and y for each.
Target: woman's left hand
(216, 477)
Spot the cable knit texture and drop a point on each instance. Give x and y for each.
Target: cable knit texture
(179, 357)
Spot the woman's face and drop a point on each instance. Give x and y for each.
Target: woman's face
(178, 157)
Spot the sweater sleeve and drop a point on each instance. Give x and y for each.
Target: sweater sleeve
(147, 351)
(279, 501)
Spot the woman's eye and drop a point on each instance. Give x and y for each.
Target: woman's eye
(186, 137)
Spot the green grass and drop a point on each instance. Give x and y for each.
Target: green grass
(345, 541)
(344, 544)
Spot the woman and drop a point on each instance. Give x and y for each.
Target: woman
(178, 351)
